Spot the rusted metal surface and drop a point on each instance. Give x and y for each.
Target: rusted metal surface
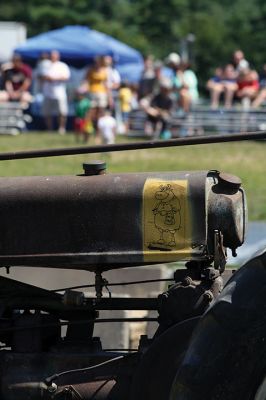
(190, 296)
(227, 211)
(24, 377)
(42, 365)
(98, 222)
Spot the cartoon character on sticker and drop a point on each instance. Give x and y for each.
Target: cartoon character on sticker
(167, 215)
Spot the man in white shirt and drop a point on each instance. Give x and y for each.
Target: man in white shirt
(107, 127)
(54, 92)
(239, 61)
(113, 76)
(113, 84)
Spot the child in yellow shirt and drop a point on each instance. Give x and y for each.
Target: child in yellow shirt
(125, 97)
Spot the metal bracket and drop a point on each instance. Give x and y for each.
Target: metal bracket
(100, 283)
(220, 255)
(71, 393)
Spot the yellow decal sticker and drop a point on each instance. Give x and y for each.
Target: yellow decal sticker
(166, 222)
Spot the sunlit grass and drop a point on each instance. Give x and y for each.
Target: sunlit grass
(245, 159)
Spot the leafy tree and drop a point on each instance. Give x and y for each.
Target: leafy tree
(157, 26)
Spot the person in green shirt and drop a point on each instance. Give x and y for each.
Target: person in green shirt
(83, 126)
(185, 85)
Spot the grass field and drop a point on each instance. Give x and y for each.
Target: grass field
(245, 159)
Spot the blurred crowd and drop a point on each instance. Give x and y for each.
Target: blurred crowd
(163, 89)
(103, 102)
(237, 80)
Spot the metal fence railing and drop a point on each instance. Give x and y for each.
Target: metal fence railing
(205, 120)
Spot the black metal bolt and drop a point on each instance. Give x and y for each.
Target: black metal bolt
(187, 281)
(96, 167)
(52, 388)
(208, 296)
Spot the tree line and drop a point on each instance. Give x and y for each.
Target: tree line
(158, 26)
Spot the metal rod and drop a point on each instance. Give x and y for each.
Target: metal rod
(116, 350)
(113, 284)
(116, 303)
(152, 144)
(79, 322)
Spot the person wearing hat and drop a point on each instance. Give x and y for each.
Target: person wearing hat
(172, 60)
(159, 110)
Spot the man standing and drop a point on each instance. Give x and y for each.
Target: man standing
(113, 83)
(54, 92)
(239, 61)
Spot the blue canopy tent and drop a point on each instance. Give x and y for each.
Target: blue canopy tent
(79, 45)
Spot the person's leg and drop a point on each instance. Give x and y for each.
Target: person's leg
(62, 114)
(228, 98)
(88, 128)
(215, 94)
(93, 115)
(47, 111)
(97, 115)
(3, 96)
(84, 130)
(125, 119)
(49, 123)
(99, 102)
(245, 103)
(165, 124)
(77, 127)
(62, 124)
(153, 122)
(261, 97)
(229, 92)
(165, 132)
(245, 95)
(185, 100)
(25, 98)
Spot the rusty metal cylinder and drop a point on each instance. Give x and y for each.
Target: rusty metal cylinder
(110, 221)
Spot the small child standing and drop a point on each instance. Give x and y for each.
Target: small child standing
(125, 97)
(107, 127)
(82, 124)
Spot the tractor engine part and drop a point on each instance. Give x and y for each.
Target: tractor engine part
(108, 221)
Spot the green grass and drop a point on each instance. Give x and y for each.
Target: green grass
(245, 159)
